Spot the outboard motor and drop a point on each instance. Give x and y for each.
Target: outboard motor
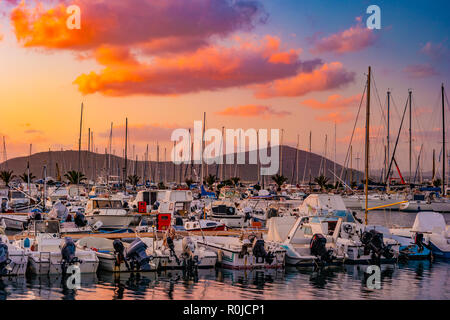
(68, 254)
(4, 258)
(373, 243)
(179, 221)
(190, 262)
(119, 251)
(318, 248)
(171, 247)
(137, 256)
(418, 240)
(80, 220)
(260, 252)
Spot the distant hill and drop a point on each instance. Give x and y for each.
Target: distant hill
(92, 163)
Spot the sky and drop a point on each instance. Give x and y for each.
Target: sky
(295, 65)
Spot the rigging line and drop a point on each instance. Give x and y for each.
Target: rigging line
(383, 116)
(396, 142)
(353, 132)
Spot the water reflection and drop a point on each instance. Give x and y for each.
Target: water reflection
(409, 280)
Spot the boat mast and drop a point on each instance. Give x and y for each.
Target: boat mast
(410, 139)
(109, 154)
(334, 165)
(388, 138)
(125, 170)
(79, 152)
(444, 159)
(366, 187)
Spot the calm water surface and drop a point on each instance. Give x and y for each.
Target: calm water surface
(411, 280)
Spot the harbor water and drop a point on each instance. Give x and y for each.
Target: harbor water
(405, 280)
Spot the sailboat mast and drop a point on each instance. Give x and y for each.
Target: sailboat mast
(388, 137)
(366, 187)
(410, 137)
(444, 159)
(79, 149)
(125, 170)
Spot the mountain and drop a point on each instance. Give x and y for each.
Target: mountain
(94, 162)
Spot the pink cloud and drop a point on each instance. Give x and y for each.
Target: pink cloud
(436, 51)
(117, 23)
(326, 77)
(353, 39)
(336, 117)
(335, 101)
(420, 71)
(253, 111)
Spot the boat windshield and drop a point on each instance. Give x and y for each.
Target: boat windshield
(46, 226)
(222, 209)
(17, 195)
(107, 204)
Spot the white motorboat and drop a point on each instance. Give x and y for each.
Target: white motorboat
(247, 252)
(13, 259)
(117, 256)
(227, 213)
(181, 253)
(432, 228)
(48, 253)
(109, 212)
(305, 243)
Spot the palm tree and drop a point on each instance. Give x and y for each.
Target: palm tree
(235, 180)
(210, 179)
(133, 180)
(6, 176)
(322, 181)
(279, 180)
(74, 177)
(161, 186)
(189, 182)
(24, 177)
(437, 183)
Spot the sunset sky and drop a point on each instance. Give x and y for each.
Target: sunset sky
(290, 64)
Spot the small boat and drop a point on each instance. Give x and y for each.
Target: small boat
(182, 253)
(432, 228)
(204, 225)
(247, 252)
(48, 253)
(110, 212)
(14, 221)
(13, 260)
(227, 213)
(118, 256)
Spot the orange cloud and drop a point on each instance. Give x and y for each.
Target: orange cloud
(355, 38)
(115, 23)
(336, 117)
(208, 68)
(252, 111)
(328, 76)
(335, 101)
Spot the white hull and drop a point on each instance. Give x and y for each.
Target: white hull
(13, 222)
(415, 206)
(108, 263)
(231, 258)
(111, 221)
(18, 265)
(41, 264)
